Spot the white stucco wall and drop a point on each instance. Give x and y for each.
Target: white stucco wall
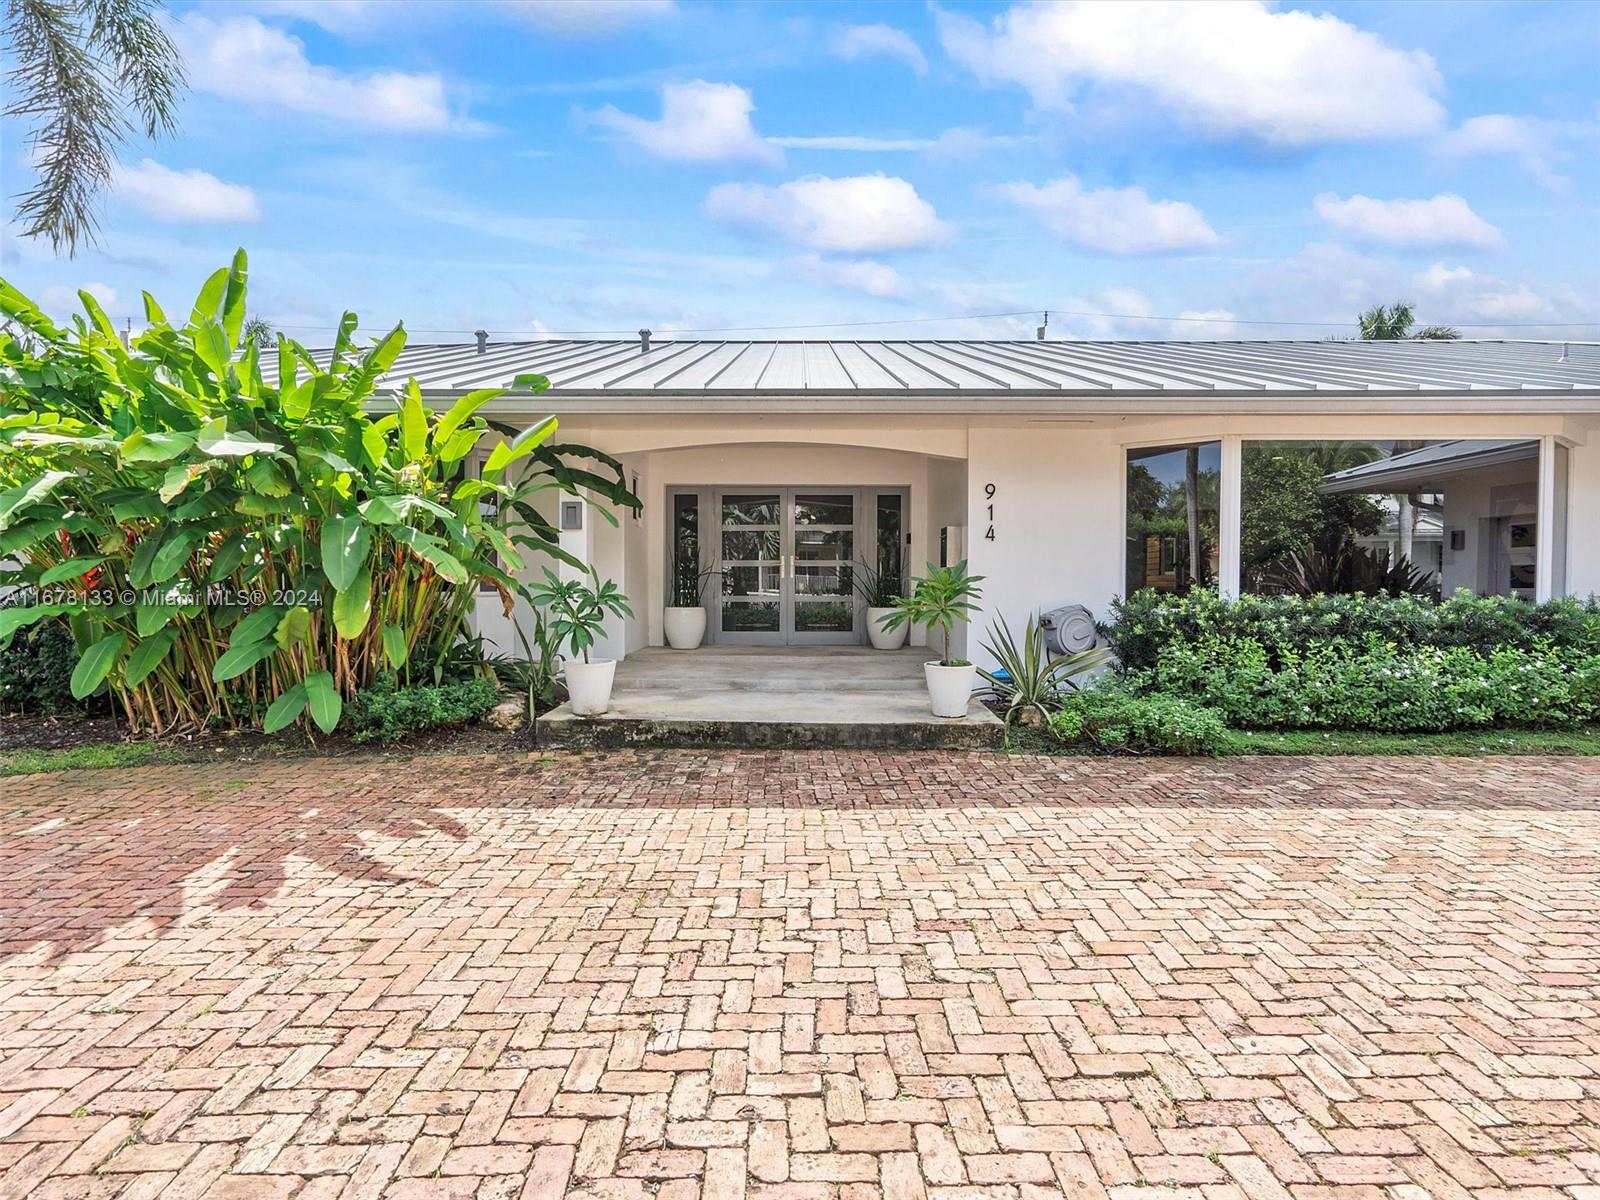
(1470, 501)
(1059, 483)
(1057, 520)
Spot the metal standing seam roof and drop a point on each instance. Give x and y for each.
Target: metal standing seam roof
(953, 367)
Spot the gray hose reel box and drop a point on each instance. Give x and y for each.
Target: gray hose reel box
(1069, 630)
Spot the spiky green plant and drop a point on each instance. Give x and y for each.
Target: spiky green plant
(1029, 681)
(234, 541)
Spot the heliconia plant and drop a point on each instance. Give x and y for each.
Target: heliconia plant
(234, 540)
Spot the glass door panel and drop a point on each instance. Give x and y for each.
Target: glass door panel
(785, 559)
(750, 556)
(822, 549)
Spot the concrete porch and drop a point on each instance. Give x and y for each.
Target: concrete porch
(824, 696)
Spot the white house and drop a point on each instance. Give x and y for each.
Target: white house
(790, 460)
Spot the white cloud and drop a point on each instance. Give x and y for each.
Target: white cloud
(1236, 67)
(1326, 281)
(193, 195)
(1113, 220)
(857, 214)
(866, 41)
(587, 17)
(1444, 220)
(570, 18)
(954, 143)
(341, 17)
(1440, 276)
(60, 300)
(244, 60)
(699, 122)
(853, 142)
(1463, 290)
(960, 142)
(1531, 144)
(863, 275)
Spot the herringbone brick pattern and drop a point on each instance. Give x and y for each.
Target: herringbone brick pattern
(797, 975)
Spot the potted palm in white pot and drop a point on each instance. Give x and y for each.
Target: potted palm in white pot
(684, 620)
(577, 614)
(938, 600)
(881, 591)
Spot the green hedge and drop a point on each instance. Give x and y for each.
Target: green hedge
(386, 713)
(36, 670)
(1338, 684)
(1146, 626)
(1107, 716)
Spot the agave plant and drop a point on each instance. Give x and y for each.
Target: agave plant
(232, 540)
(1029, 682)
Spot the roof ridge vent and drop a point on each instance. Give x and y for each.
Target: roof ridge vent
(1565, 348)
(644, 341)
(483, 340)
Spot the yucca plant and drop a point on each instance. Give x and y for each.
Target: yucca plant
(233, 540)
(1029, 682)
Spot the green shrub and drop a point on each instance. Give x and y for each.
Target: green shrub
(1110, 717)
(1339, 684)
(214, 520)
(1148, 624)
(384, 712)
(36, 671)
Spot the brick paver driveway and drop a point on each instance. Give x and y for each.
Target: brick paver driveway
(793, 975)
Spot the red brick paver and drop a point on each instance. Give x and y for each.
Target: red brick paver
(786, 976)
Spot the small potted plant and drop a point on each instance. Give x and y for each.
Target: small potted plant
(881, 591)
(938, 600)
(577, 616)
(685, 617)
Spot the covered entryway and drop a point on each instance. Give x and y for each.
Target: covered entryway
(785, 565)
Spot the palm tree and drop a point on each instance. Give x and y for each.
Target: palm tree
(1393, 322)
(1387, 323)
(86, 74)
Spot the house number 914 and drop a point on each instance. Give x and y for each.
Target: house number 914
(988, 494)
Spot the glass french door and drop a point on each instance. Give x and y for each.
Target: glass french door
(785, 559)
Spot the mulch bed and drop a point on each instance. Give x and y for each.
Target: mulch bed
(66, 731)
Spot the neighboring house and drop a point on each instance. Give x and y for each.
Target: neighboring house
(783, 462)
(1486, 526)
(1427, 535)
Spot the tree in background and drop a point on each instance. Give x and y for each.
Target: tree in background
(1390, 323)
(1393, 322)
(86, 73)
(1282, 513)
(258, 332)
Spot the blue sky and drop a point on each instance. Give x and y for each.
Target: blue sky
(532, 167)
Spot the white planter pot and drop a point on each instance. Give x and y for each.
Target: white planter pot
(949, 688)
(882, 640)
(589, 686)
(685, 627)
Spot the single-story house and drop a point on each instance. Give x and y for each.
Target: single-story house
(785, 462)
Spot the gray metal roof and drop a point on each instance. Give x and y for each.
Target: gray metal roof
(729, 368)
(1418, 467)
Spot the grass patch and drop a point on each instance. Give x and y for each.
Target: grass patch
(1465, 743)
(1584, 740)
(105, 754)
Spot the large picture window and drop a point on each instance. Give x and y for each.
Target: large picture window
(1389, 517)
(1173, 496)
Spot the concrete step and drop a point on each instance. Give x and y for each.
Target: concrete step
(779, 696)
(563, 730)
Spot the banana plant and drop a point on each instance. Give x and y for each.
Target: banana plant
(235, 536)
